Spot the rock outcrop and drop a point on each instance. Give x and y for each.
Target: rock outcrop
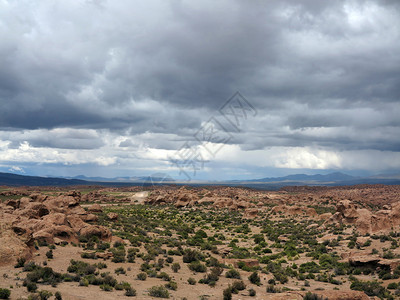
(294, 210)
(365, 221)
(331, 295)
(43, 219)
(225, 198)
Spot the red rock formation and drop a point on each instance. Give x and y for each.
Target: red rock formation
(43, 218)
(364, 220)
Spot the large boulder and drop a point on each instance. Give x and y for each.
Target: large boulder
(12, 247)
(94, 230)
(95, 208)
(44, 219)
(112, 216)
(364, 220)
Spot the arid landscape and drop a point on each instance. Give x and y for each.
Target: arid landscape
(200, 150)
(183, 242)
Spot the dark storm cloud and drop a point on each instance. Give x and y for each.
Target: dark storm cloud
(65, 138)
(166, 66)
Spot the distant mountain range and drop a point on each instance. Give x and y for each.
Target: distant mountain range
(155, 178)
(10, 179)
(332, 179)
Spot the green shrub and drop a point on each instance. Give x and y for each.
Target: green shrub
(58, 296)
(258, 238)
(158, 292)
(172, 285)
(326, 261)
(118, 253)
(227, 293)
(281, 277)
(141, 276)
(106, 287)
(164, 276)
(232, 273)
(20, 262)
(130, 292)
(5, 293)
(191, 281)
(311, 296)
(31, 287)
(192, 255)
(371, 288)
(272, 289)
(254, 278)
(81, 267)
(44, 295)
(120, 270)
(238, 286)
(175, 267)
(103, 246)
(392, 286)
(49, 254)
(252, 292)
(197, 266)
(101, 265)
(212, 277)
(83, 282)
(33, 297)
(89, 255)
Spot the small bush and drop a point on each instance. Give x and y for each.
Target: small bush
(58, 296)
(281, 277)
(172, 285)
(5, 293)
(141, 276)
(392, 286)
(120, 270)
(197, 266)
(238, 286)
(192, 255)
(20, 262)
(49, 254)
(232, 273)
(89, 255)
(44, 295)
(227, 293)
(106, 287)
(272, 289)
(164, 276)
(371, 288)
(31, 287)
(158, 292)
(175, 267)
(83, 282)
(254, 278)
(130, 292)
(252, 292)
(311, 296)
(191, 281)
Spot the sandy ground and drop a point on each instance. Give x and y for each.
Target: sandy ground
(72, 290)
(139, 197)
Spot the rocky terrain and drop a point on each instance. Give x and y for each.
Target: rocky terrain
(200, 242)
(43, 219)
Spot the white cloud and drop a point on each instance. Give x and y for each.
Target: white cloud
(16, 169)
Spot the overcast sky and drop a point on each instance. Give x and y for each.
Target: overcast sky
(127, 88)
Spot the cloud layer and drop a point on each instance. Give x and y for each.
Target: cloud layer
(125, 85)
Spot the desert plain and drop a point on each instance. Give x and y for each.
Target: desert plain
(210, 242)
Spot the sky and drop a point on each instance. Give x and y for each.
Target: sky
(199, 90)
